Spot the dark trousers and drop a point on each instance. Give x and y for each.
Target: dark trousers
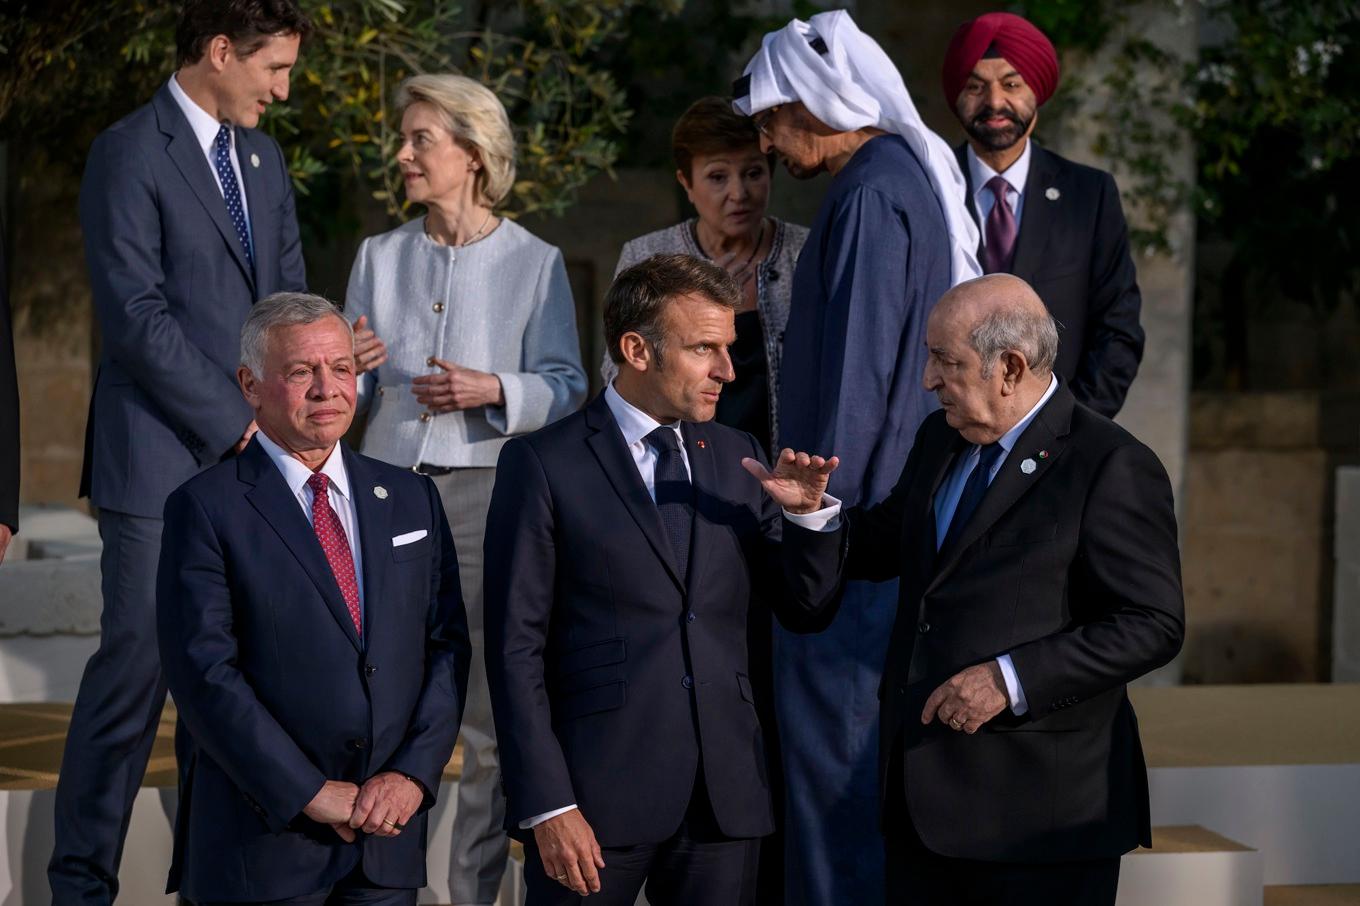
(353, 890)
(114, 723)
(697, 866)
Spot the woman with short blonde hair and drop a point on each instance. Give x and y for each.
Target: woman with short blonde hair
(480, 329)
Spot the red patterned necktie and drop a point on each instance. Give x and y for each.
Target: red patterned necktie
(1000, 247)
(331, 534)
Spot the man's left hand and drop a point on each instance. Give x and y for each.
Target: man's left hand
(968, 699)
(386, 802)
(369, 350)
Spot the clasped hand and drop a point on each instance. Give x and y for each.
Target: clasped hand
(381, 807)
(798, 481)
(457, 388)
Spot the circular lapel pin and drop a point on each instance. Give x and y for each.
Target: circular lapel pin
(255, 162)
(380, 492)
(702, 445)
(1028, 467)
(1052, 193)
(1043, 454)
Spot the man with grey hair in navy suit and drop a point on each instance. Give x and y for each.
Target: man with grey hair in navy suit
(188, 217)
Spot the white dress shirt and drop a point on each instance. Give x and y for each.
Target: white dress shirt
(947, 500)
(635, 425)
(296, 475)
(1016, 175)
(205, 130)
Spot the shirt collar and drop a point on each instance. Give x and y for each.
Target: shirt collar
(201, 121)
(1017, 174)
(1008, 439)
(633, 422)
(297, 475)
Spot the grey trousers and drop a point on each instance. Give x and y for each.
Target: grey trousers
(480, 845)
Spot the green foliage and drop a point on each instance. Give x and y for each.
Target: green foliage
(99, 59)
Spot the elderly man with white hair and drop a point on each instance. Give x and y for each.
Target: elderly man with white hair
(893, 234)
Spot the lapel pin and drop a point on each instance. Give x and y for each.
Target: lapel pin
(1043, 454)
(255, 162)
(1028, 467)
(380, 492)
(702, 445)
(1052, 193)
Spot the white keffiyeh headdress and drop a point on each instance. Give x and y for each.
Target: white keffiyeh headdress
(844, 79)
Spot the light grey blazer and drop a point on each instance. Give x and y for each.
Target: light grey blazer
(501, 305)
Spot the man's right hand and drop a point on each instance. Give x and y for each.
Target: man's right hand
(798, 480)
(245, 438)
(333, 805)
(570, 855)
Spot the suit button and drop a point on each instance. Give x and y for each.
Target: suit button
(358, 744)
(380, 391)
(687, 681)
(370, 669)
(424, 416)
(430, 360)
(690, 617)
(923, 627)
(438, 308)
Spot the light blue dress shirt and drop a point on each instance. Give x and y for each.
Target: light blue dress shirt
(947, 500)
(1016, 175)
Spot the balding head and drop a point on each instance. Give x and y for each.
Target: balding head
(976, 326)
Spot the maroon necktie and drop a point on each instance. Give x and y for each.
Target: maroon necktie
(331, 534)
(1000, 246)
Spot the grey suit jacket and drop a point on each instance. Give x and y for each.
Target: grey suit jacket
(172, 287)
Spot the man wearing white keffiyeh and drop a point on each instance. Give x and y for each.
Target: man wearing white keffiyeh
(892, 235)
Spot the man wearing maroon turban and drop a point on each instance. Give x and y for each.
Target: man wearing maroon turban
(1054, 223)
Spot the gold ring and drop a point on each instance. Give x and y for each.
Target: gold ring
(561, 877)
(954, 722)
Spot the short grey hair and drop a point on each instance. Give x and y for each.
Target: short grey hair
(282, 310)
(1016, 328)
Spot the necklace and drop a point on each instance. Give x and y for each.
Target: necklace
(481, 231)
(743, 273)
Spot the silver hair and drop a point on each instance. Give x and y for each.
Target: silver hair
(1016, 329)
(282, 310)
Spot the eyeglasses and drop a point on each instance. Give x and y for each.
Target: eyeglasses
(762, 120)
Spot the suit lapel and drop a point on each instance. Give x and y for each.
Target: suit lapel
(184, 150)
(1036, 222)
(375, 536)
(961, 152)
(940, 461)
(258, 206)
(272, 499)
(1041, 444)
(606, 442)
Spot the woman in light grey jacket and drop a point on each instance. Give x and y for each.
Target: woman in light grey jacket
(480, 329)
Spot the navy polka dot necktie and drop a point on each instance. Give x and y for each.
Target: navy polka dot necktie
(231, 191)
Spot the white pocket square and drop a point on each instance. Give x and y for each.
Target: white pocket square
(409, 537)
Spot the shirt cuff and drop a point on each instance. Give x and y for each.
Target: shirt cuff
(536, 820)
(827, 519)
(1014, 691)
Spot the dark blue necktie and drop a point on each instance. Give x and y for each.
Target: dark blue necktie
(674, 495)
(231, 191)
(974, 489)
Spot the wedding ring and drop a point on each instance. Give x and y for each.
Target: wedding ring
(954, 722)
(561, 877)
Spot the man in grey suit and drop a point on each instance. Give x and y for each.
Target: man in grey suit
(188, 218)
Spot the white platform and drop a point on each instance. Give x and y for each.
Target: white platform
(1189, 866)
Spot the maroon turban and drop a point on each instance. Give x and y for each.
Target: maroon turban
(1006, 35)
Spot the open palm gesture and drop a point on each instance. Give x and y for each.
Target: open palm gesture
(798, 480)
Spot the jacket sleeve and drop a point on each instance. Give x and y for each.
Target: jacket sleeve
(433, 729)
(519, 594)
(121, 222)
(1128, 610)
(292, 268)
(552, 383)
(199, 656)
(1113, 346)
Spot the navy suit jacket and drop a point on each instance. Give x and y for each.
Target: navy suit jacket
(1073, 248)
(596, 647)
(276, 691)
(172, 288)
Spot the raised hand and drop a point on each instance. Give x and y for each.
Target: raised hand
(798, 480)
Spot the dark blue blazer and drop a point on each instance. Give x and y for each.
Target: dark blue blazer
(277, 693)
(172, 288)
(610, 673)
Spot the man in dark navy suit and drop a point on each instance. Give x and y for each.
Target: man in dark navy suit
(629, 543)
(188, 218)
(312, 633)
(1058, 224)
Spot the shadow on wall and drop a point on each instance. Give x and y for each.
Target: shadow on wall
(1239, 653)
